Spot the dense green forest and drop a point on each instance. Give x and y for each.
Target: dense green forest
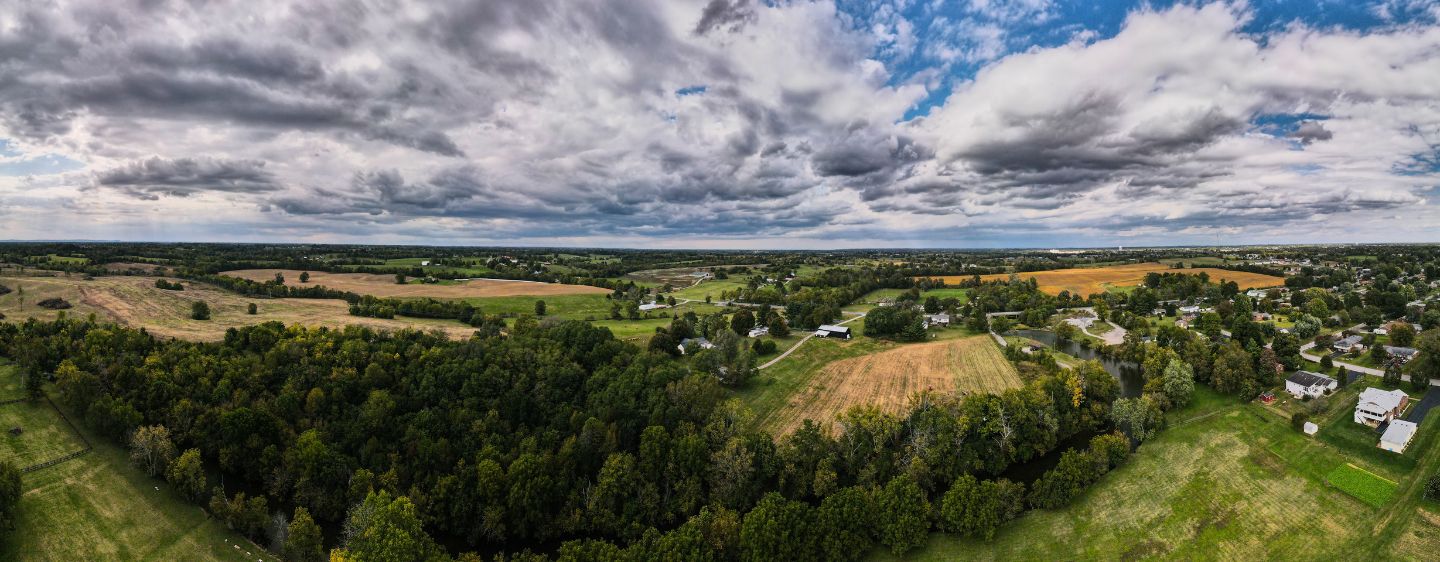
(555, 432)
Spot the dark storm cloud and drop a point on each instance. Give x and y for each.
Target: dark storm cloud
(729, 14)
(182, 177)
(1311, 131)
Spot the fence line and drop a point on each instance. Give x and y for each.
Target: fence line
(66, 457)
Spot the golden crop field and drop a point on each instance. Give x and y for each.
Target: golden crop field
(889, 378)
(1086, 281)
(135, 302)
(385, 285)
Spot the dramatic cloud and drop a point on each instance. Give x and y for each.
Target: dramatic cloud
(149, 179)
(718, 122)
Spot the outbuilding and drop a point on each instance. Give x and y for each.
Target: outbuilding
(1397, 436)
(832, 331)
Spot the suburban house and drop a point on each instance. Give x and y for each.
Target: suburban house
(1306, 383)
(1380, 331)
(1348, 344)
(1378, 406)
(1397, 435)
(702, 343)
(758, 331)
(832, 331)
(1192, 309)
(1261, 317)
(1401, 354)
(941, 319)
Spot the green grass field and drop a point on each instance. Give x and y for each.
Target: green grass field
(1225, 481)
(1363, 484)
(43, 435)
(99, 507)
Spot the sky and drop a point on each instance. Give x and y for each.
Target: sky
(721, 123)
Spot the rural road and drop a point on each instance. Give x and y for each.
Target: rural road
(1351, 366)
(802, 341)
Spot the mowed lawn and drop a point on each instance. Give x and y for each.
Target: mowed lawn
(99, 507)
(1226, 481)
(888, 379)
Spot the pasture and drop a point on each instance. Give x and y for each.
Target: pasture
(1225, 481)
(888, 379)
(1087, 281)
(385, 286)
(99, 507)
(135, 302)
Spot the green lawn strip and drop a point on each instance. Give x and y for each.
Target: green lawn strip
(99, 507)
(43, 435)
(1223, 481)
(1367, 486)
(11, 386)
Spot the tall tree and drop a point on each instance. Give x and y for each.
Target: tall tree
(304, 541)
(151, 449)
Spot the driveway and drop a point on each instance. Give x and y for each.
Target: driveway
(1430, 400)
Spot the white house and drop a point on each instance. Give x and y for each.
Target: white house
(702, 343)
(1192, 309)
(1401, 354)
(1378, 406)
(941, 319)
(832, 331)
(652, 306)
(1397, 436)
(1305, 383)
(758, 331)
(1351, 343)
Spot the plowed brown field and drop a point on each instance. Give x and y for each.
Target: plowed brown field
(1085, 281)
(888, 379)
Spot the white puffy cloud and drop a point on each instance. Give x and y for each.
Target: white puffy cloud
(706, 122)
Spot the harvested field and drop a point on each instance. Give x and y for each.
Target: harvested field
(889, 378)
(135, 302)
(1086, 281)
(385, 285)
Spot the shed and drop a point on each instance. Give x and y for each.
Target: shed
(1311, 428)
(832, 331)
(1397, 436)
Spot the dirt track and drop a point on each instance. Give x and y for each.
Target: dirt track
(385, 285)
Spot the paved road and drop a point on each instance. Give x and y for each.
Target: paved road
(858, 315)
(1353, 367)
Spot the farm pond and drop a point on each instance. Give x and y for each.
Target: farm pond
(1132, 382)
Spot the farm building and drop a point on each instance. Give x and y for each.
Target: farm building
(941, 319)
(702, 343)
(652, 306)
(832, 331)
(758, 331)
(1401, 354)
(1305, 383)
(1397, 436)
(1378, 406)
(1348, 344)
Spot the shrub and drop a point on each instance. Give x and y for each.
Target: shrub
(168, 286)
(1432, 487)
(4, 289)
(54, 303)
(199, 310)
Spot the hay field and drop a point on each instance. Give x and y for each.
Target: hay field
(1089, 280)
(385, 285)
(135, 302)
(889, 378)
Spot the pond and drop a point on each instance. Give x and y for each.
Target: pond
(1132, 379)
